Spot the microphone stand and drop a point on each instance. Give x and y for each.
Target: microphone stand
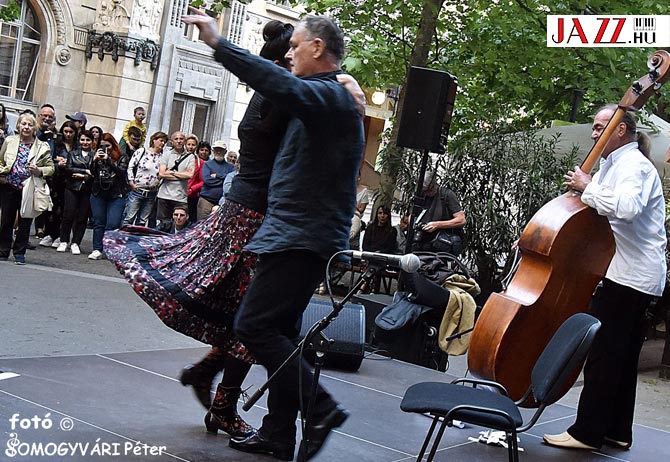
(320, 346)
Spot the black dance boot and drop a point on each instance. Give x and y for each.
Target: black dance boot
(201, 375)
(223, 414)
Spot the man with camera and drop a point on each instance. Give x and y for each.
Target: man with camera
(440, 227)
(176, 168)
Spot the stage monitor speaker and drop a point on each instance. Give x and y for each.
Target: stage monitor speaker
(347, 331)
(427, 109)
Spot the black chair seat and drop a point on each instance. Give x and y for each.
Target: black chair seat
(439, 398)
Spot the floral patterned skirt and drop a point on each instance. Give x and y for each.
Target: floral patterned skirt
(194, 281)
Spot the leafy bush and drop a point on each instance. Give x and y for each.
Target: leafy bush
(501, 179)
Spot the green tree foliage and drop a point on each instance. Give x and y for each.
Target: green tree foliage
(11, 12)
(502, 181)
(509, 81)
(217, 6)
(498, 51)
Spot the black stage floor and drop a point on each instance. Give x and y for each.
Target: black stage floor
(122, 402)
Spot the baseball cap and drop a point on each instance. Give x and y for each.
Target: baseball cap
(78, 116)
(219, 144)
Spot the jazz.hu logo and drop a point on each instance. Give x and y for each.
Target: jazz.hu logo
(608, 31)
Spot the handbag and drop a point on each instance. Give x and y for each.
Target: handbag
(35, 197)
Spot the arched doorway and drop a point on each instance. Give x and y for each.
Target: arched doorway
(19, 53)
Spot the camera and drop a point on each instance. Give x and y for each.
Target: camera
(48, 135)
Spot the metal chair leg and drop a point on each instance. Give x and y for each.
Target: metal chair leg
(436, 441)
(428, 436)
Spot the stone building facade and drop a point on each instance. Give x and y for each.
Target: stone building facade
(106, 57)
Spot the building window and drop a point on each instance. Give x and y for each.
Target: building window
(19, 53)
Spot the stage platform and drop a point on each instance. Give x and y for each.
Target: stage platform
(131, 404)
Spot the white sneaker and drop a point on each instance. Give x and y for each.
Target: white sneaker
(95, 255)
(62, 247)
(56, 243)
(74, 248)
(46, 241)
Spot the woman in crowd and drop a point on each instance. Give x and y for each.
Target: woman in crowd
(21, 156)
(195, 281)
(77, 194)
(5, 128)
(380, 237)
(63, 147)
(195, 183)
(204, 150)
(144, 181)
(109, 189)
(96, 132)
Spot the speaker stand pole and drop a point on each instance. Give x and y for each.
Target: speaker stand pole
(418, 203)
(316, 329)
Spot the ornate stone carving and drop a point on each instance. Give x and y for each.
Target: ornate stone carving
(198, 80)
(59, 17)
(63, 55)
(120, 17)
(116, 45)
(112, 14)
(146, 17)
(254, 35)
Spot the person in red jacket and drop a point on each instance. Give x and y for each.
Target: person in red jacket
(195, 183)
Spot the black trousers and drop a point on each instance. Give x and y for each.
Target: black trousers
(268, 323)
(53, 219)
(165, 207)
(607, 402)
(77, 205)
(10, 202)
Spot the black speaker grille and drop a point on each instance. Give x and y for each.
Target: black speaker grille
(347, 331)
(427, 109)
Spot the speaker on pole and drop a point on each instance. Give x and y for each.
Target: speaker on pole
(427, 109)
(347, 332)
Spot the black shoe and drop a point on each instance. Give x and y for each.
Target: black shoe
(30, 246)
(256, 444)
(201, 383)
(319, 432)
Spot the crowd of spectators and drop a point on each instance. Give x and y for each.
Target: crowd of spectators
(158, 181)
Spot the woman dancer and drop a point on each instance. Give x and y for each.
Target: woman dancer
(195, 281)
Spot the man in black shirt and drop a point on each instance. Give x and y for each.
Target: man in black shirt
(440, 227)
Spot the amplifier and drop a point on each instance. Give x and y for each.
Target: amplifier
(347, 331)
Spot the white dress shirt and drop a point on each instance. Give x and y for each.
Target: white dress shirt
(628, 190)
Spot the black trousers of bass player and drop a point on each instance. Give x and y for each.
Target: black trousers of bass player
(607, 402)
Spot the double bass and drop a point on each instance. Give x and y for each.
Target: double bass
(566, 249)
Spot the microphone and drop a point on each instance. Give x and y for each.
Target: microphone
(409, 263)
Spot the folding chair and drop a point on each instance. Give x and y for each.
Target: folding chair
(446, 402)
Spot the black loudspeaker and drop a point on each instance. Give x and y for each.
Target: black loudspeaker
(347, 331)
(427, 109)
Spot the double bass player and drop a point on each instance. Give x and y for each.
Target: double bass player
(627, 190)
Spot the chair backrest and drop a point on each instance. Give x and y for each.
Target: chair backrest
(566, 351)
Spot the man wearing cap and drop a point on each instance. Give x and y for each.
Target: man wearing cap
(440, 228)
(176, 168)
(213, 174)
(78, 118)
